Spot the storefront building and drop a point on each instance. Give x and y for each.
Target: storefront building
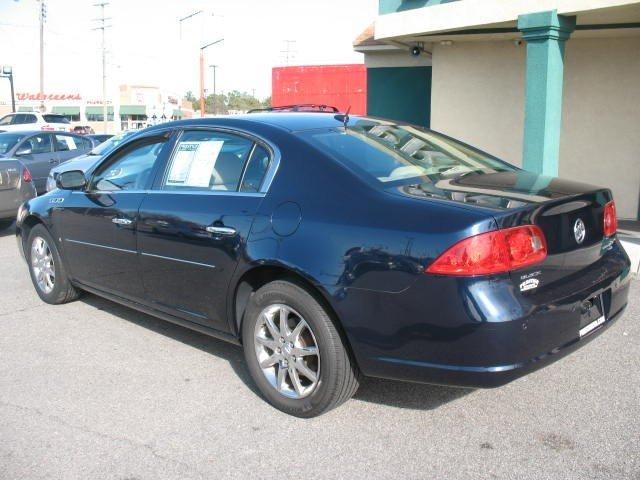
(549, 85)
(136, 107)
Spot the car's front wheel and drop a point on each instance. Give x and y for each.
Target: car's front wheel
(295, 353)
(48, 274)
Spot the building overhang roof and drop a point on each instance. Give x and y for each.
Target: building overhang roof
(497, 19)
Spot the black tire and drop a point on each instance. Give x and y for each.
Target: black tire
(62, 291)
(6, 223)
(338, 376)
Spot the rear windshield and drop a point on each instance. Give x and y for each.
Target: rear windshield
(55, 119)
(8, 141)
(399, 152)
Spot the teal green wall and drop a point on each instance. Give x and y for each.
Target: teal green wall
(392, 6)
(400, 93)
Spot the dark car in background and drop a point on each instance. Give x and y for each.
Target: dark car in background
(41, 151)
(83, 162)
(83, 130)
(333, 247)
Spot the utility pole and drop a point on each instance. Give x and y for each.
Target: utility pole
(7, 71)
(43, 18)
(215, 102)
(103, 26)
(202, 49)
(288, 52)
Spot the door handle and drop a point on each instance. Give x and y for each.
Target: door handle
(122, 221)
(221, 230)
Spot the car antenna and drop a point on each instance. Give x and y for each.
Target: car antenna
(344, 118)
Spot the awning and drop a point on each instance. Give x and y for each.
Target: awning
(178, 114)
(133, 110)
(98, 110)
(66, 110)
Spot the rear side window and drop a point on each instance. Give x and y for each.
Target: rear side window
(207, 160)
(23, 118)
(64, 143)
(55, 119)
(256, 170)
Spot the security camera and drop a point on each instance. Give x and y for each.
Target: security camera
(416, 51)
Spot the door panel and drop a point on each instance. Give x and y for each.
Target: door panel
(99, 225)
(186, 269)
(99, 252)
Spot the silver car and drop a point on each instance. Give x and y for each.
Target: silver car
(16, 187)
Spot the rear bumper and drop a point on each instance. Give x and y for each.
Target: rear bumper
(483, 376)
(480, 332)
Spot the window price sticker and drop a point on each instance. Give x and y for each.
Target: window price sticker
(193, 163)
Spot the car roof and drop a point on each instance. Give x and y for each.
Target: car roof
(294, 121)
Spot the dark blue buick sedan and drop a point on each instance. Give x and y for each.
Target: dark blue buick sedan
(332, 247)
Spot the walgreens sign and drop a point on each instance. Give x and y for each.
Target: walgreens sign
(48, 96)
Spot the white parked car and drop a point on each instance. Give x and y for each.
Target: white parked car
(17, 122)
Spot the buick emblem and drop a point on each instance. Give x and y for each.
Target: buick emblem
(579, 231)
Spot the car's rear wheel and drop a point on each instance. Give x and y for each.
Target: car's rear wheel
(47, 271)
(294, 352)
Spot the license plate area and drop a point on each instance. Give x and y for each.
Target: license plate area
(591, 315)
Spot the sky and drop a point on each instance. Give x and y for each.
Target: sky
(146, 47)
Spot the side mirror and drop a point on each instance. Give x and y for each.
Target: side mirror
(23, 151)
(71, 180)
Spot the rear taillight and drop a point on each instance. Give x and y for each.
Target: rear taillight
(610, 225)
(26, 175)
(493, 252)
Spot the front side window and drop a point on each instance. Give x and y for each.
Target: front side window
(397, 152)
(207, 160)
(6, 120)
(39, 143)
(130, 169)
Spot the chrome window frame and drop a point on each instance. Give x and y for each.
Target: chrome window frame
(274, 162)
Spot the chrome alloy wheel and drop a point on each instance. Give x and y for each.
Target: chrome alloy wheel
(287, 351)
(42, 265)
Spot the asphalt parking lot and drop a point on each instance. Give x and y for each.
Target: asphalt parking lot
(92, 390)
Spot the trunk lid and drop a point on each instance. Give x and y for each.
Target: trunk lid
(10, 171)
(569, 213)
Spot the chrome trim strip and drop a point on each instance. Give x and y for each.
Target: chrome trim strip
(177, 260)
(206, 192)
(99, 246)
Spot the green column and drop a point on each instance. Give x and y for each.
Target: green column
(545, 34)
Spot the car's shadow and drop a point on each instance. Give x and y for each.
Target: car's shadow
(5, 232)
(386, 392)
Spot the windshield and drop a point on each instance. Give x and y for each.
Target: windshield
(8, 141)
(108, 145)
(398, 152)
